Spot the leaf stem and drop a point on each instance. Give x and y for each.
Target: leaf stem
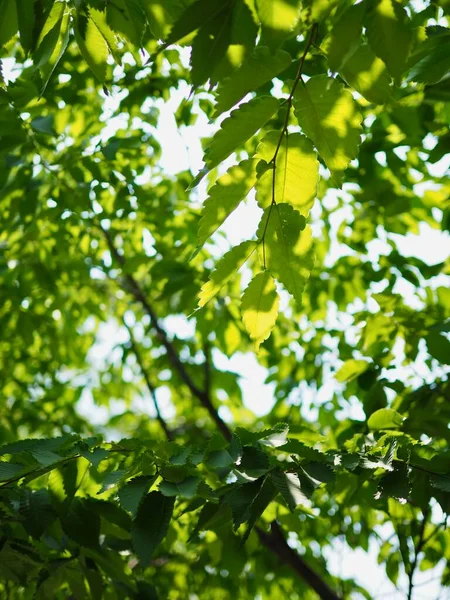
(284, 130)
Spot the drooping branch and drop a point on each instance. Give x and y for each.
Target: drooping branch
(148, 383)
(275, 541)
(134, 288)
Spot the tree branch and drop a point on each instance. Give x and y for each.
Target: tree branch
(276, 542)
(134, 288)
(417, 550)
(149, 384)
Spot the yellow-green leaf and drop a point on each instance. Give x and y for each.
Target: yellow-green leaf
(224, 196)
(92, 46)
(296, 173)
(389, 34)
(328, 115)
(367, 74)
(351, 369)
(278, 19)
(236, 130)
(260, 67)
(286, 249)
(259, 307)
(227, 266)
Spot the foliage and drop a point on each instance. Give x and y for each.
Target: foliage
(330, 121)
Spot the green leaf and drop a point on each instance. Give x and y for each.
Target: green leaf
(430, 62)
(52, 42)
(259, 307)
(26, 18)
(278, 20)
(227, 266)
(99, 18)
(81, 524)
(344, 37)
(151, 525)
(196, 14)
(92, 46)
(8, 21)
(438, 346)
(351, 369)
(289, 486)
(367, 74)
(385, 418)
(296, 173)
(210, 46)
(389, 34)
(287, 248)
(242, 124)
(240, 499)
(262, 500)
(328, 115)
(224, 197)
(133, 492)
(186, 488)
(127, 18)
(259, 68)
(441, 482)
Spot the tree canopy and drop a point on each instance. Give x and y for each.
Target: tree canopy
(135, 461)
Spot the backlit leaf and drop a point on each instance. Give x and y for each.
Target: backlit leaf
(151, 525)
(328, 115)
(260, 67)
(226, 268)
(259, 307)
(296, 173)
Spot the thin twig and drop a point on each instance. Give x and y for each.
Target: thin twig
(149, 384)
(417, 549)
(284, 130)
(134, 288)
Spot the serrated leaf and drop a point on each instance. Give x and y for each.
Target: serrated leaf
(8, 21)
(81, 524)
(344, 36)
(26, 19)
(287, 248)
(441, 482)
(37, 511)
(92, 45)
(9, 470)
(52, 42)
(389, 34)
(210, 46)
(196, 14)
(259, 307)
(151, 525)
(277, 438)
(430, 62)
(438, 346)
(127, 18)
(226, 268)
(328, 115)
(396, 483)
(351, 369)
(240, 498)
(242, 124)
(262, 500)
(278, 20)
(186, 488)
(133, 492)
(289, 486)
(367, 74)
(385, 418)
(224, 197)
(99, 18)
(296, 173)
(262, 66)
